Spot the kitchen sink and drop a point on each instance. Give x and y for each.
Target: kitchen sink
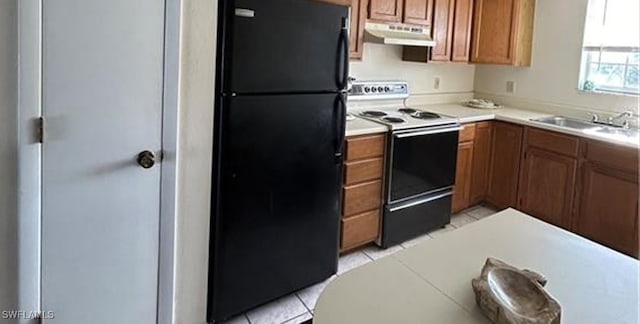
(604, 131)
(567, 122)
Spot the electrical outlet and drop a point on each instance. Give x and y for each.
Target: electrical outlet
(436, 83)
(511, 86)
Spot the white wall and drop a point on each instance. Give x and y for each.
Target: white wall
(552, 79)
(384, 62)
(197, 73)
(8, 155)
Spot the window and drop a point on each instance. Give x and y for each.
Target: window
(611, 48)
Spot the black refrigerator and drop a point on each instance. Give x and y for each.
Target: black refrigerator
(282, 69)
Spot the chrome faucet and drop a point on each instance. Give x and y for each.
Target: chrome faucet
(624, 114)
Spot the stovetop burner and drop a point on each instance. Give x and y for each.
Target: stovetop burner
(373, 113)
(393, 120)
(407, 110)
(424, 115)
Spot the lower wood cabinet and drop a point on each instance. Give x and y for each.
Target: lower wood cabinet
(464, 168)
(481, 161)
(362, 190)
(460, 199)
(585, 186)
(360, 229)
(608, 198)
(548, 176)
(362, 197)
(504, 166)
(547, 186)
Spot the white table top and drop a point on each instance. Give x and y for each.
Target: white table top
(431, 282)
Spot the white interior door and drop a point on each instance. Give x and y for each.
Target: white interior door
(102, 103)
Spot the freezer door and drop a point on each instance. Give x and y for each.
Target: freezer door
(277, 211)
(284, 46)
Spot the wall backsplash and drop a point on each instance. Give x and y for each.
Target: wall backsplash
(384, 62)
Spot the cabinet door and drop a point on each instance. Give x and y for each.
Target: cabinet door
(462, 185)
(463, 16)
(386, 10)
(547, 186)
(494, 31)
(506, 144)
(442, 29)
(356, 36)
(503, 32)
(481, 161)
(608, 208)
(418, 12)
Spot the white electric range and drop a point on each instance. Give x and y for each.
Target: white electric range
(384, 102)
(421, 160)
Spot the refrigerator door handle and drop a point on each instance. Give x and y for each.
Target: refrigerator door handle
(340, 126)
(344, 60)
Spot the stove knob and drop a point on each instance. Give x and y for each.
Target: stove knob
(380, 89)
(367, 89)
(374, 89)
(387, 89)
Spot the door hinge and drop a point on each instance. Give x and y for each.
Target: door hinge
(40, 129)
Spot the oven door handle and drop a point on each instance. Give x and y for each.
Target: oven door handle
(421, 201)
(429, 132)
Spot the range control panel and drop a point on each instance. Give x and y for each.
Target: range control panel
(379, 90)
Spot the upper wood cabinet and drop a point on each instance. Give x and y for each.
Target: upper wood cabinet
(418, 12)
(503, 32)
(386, 10)
(451, 30)
(356, 33)
(504, 169)
(462, 22)
(442, 29)
(415, 12)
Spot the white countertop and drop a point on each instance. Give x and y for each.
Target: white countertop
(507, 114)
(361, 126)
(431, 282)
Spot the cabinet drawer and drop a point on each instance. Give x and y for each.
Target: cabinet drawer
(363, 147)
(364, 170)
(360, 229)
(468, 133)
(362, 197)
(615, 156)
(552, 141)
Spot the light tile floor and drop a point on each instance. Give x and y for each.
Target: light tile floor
(298, 307)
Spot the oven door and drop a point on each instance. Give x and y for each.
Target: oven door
(422, 161)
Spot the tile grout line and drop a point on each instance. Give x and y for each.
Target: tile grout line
(303, 304)
(295, 318)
